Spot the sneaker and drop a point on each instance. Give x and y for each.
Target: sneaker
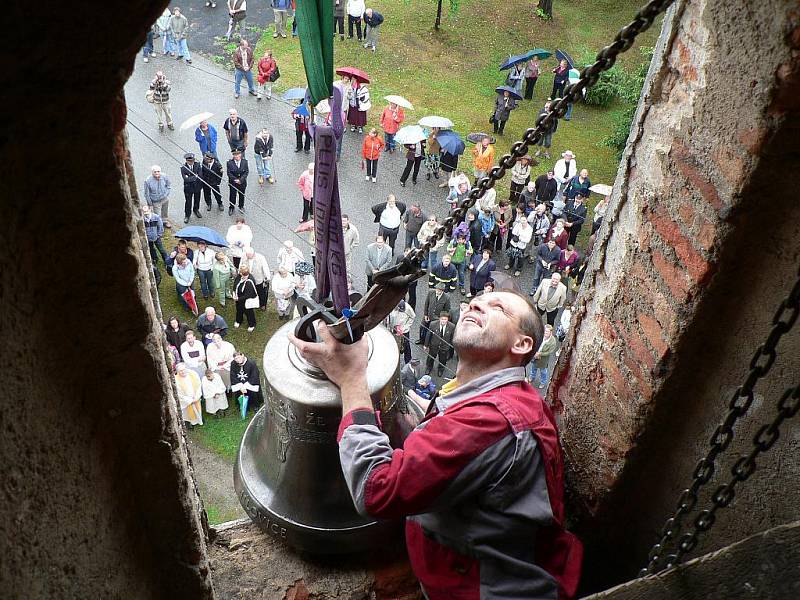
(252, 93)
(352, 128)
(271, 180)
(153, 55)
(208, 208)
(236, 325)
(145, 59)
(537, 153)
(516, 273)
(197, 214)
(208, 4)
(161, 127)
(283, 35)
(185, 219)
(373, 48)
(220, 207)
(366, 178)
(360, 130)
(374, 179)
(250, 329)
(469, 295)
(213, 5)
(188, 61)
(366, 45)
(507, 267)
(275, 34)
(236, 96)
(171, 126)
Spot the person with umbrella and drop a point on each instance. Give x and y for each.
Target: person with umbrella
(515, 77)
(301, 131)
(415, 154)
(531, 75)
(206, 137)
(358, 98)
(503, 105)
(560, 78)
(245, 294)
(183, 272)
(433, 155)
(392, 118)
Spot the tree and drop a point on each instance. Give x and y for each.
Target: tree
(453, 9)
(545, 8)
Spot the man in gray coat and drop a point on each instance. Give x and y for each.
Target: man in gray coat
(351, 240)
(156, 194)
(379, 257)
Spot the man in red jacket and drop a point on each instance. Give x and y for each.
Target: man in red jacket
(480, 479)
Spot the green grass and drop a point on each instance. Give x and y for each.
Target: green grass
(453, 72)
(220, 435)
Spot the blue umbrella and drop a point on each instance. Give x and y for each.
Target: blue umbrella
(450, 142)
(302, 110)
(524, 57)
(196, 233)
(561, 55)
(509, 89)
(294, 94)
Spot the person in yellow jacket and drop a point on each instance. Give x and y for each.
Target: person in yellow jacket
(482, 157)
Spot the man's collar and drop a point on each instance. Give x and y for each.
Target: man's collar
(480, 385)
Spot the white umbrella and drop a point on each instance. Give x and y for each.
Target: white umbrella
(601, 188)
(434, 121)
(194, 121)
(410, 134)
(400, 101)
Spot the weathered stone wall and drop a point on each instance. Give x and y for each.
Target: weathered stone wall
(700, 245)
(97, 498)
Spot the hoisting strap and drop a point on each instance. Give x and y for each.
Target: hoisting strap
(315, 28)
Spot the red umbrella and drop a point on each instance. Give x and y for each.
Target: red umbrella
(353, 73)
(188, 295)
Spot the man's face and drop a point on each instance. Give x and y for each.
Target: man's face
(486, 255)
(177, 12)
(203, 124)
(189, 337)
(490, 327)
(345, 222)
(446, 261)
(233, 115)
(146, 210)
(540, 210)
(443, 321)
(555, 280)
(415, 209)
(210, 314)
(551, 244)
(379, 242)
(549, 174)
(239, 358)
(157, 173)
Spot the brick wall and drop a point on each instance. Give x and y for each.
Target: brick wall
(699, 243)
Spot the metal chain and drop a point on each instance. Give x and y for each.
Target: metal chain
(604, 61)
(761, 363)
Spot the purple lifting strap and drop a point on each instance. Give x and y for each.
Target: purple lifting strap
(329, 262)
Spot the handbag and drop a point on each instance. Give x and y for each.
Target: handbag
(150, 96)
(276, 73)
(491, 119)
(251, 303)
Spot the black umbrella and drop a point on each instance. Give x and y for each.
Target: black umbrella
(478, 136)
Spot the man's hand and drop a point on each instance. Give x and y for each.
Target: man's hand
(344, 364)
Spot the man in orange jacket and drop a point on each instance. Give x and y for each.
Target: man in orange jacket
(482, 157)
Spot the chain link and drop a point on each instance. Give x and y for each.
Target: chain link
(761, 363)
(604, 61)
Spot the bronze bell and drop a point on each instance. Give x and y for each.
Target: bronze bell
(287, 473)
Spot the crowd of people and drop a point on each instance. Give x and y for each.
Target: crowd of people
(535, 228)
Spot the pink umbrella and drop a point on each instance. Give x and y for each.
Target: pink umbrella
(353, 73)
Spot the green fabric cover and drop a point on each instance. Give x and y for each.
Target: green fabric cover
(315, 28)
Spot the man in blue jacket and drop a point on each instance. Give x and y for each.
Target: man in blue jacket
(206, 136)
(372, 20)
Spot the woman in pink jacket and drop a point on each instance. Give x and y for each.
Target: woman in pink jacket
(306, 185)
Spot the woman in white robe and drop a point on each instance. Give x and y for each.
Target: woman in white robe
(283, 288)
(189, 390)
(214, 393)
(219, 355)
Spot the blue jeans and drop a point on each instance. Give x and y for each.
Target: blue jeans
(568, 116)
(263, 166)
(461, 268)
(432, 260)
(390, 145)
(536, 371)
(170, 45)
(206, 282)
(183, 49)
(248, 75)
(411, 240)
(148, 44)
